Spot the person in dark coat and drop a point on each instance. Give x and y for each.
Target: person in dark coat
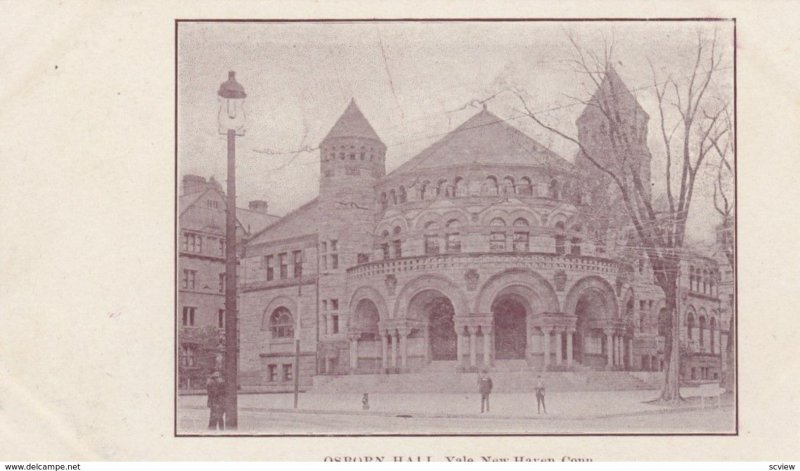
(540, 395)
(216, 401)
(485, 388)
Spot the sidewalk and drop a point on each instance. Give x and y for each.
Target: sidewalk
(564, 405)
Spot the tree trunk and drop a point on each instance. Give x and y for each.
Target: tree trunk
(671, 390)
(729, 375)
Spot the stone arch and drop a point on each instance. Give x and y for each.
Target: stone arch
(430, 282)
(280, 301)
(530, 216)
(426, 217)
(389, 225)
(367, 292)
(528, 279)
(591, 282)
(493, 213)
(460, 215)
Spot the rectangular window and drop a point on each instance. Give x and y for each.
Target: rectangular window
(334, 261)
(334, 246)
(189, 277)
(199, 244)
(642, 305)
(560, 240)
(497, 242)
(334, 304)
(335, 324)
(431, 245)
(188, 355)
(272, 372)
(221, 318)
(283, 265)
(324, 262)
(185, 245)
(222, 282)
(270, 269)
(298, 263)
(324, 305)
(222, 246)
(521, 242)
(287, 372)
(323, 247)
(385, 250)
(453, 242)
(188, 316)
(398, 249)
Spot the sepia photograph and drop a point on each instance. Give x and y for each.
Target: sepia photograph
(455, 227)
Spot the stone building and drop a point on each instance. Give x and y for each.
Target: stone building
(485, 250)
(201, 272)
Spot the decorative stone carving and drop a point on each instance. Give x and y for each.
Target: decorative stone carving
(560, 280)
(471, 277)
(391, 284)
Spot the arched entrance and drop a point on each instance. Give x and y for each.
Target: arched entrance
(510, 327)
(589, 347)
(437, 310)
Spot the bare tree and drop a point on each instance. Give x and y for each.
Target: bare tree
(724, 203)
(691, 125)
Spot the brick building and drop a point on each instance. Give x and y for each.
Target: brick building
(484, 250)
(201, 272)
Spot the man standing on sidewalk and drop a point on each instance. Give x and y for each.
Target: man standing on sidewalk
(216, 400)
(540, 395)
(485, 388)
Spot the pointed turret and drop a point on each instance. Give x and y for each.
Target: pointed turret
(352, 123)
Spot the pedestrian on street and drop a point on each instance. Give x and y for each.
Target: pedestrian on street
(540, 395)
(485, 388)
(215, 387)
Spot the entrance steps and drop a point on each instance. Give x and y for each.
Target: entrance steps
(437, 379)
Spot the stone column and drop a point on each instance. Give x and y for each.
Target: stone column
(559, 345)
(473, 346)
(427, 346)
(487, 345)
(459, 342)
(384, 350)
(353, 352)
(609, 347)
(570, 333)
(546, 346)
(403, 348)
(394, 348)
(630, 353)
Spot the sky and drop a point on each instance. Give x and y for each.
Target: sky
(415, 82)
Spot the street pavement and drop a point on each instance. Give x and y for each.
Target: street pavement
(425, 413)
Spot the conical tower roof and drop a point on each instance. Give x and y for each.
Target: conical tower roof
(613, 88)
(352, 123)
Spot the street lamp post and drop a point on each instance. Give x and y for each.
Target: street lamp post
(231, 123)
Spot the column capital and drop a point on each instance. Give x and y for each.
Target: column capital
(473, 329)
(486, 329)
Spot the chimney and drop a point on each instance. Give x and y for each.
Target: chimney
(258, 206)
(193, 184)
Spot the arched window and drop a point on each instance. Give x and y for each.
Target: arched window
(431, 238)
(554, 189)
(397, 244)
(525, 186)
(521, 235)
(441, 188)
(453, 236)
(560, 238)
(460, 187)
(497, 239)
(508, 186)
(705, 281)
(490, 186)
(689, 325)
(691, 278)
(702, 332)
(280, 323)
(384, 200)
(423, 190)
(566, 191)
(393, 196)
(712, 325)
(402, 195)
(575, 248)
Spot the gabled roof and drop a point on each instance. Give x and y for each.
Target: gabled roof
(301, 221)
(484, 139)
(612, 87)
(352, 123)
(249, 221)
